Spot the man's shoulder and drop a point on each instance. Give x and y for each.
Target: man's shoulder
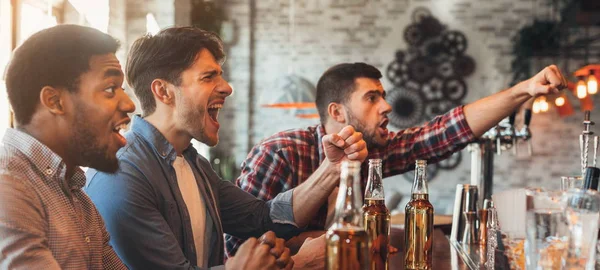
(15, 164)
(17, 179)
(291, 138)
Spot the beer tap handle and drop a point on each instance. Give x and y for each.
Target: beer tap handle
(527, 133)
(511, 121)
(527, 117)
(511, 118)
(498, 145)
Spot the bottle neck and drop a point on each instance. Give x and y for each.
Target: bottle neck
(374, 188)
(348, 202)
(420, 182)
(373, 202)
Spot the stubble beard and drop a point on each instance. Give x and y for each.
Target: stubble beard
(369, 136)
(85, 142)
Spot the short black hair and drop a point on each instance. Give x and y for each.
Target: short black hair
(55, 57)
(165, 56)
(338, 83)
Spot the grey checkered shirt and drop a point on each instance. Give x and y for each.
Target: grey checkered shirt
(41, 227)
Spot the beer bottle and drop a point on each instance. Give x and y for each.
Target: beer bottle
(418, 223)
(377, 218)
(347, 240)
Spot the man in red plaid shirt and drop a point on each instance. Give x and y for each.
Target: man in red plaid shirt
(352, 94)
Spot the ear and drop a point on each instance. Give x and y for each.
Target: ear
(53, 99)
(337, 112)
(160, 90)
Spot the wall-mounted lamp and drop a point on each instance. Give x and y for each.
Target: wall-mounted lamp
(592, 83)
(581, 88)
(559, 101)
(587, 79)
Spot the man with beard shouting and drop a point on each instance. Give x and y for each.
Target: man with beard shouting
(352, 94)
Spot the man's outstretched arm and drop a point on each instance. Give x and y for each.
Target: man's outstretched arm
(485, 113)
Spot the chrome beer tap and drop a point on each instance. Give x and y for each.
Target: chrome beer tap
(584, 143)
(502, 137)
(524, 134)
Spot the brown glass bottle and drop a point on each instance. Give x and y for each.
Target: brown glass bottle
(347, 241)
(418, 225)
(377, 218)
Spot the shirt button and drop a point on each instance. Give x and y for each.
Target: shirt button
(48, 171)
(87, 239)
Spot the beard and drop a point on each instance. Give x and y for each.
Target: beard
(193, 119)
(86, 145)
(368, 135)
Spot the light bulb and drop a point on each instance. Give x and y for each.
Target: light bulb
(536, 106)
(592, 84)
(559, 101)
(543, 106)
(581, 89)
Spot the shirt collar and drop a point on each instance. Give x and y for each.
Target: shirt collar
(45, 161)
(156, 139)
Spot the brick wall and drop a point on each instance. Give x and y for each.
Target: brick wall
(334, 31)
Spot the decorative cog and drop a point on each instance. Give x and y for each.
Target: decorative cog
(436, 50)
(463, 65)
(454, 89)
(407, 107)
(431, 27)
(445, 70)
(421, 69)
(433, 109)
(420, 13)
(431, 92)
(455, 42)
(413, 35)
(397, 73)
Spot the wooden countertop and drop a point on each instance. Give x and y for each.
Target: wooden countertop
(444, 255)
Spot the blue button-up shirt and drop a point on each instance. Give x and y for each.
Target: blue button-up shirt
(146, 215)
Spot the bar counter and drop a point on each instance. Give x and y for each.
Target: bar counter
(446, 255)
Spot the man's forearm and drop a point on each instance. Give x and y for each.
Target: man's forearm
(312, 194)
(485, 113)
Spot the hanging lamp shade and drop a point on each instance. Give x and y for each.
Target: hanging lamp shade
(289, 92)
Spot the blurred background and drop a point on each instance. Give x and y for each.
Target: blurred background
(434, 54)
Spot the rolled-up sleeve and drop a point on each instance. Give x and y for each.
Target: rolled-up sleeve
(282, 211)
(244, 216)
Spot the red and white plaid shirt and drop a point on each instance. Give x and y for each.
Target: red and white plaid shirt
(286, 159)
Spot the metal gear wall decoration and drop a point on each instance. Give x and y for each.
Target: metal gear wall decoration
(429, 75)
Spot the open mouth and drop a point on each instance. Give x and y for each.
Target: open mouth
(119, 130)
(213, 112)
(383, 128)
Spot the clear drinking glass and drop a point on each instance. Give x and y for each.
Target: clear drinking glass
(547, 230)
(514, 250)
(570, 182)
(582, 210)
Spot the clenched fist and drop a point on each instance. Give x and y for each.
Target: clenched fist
(548, 81)
(348, 144)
